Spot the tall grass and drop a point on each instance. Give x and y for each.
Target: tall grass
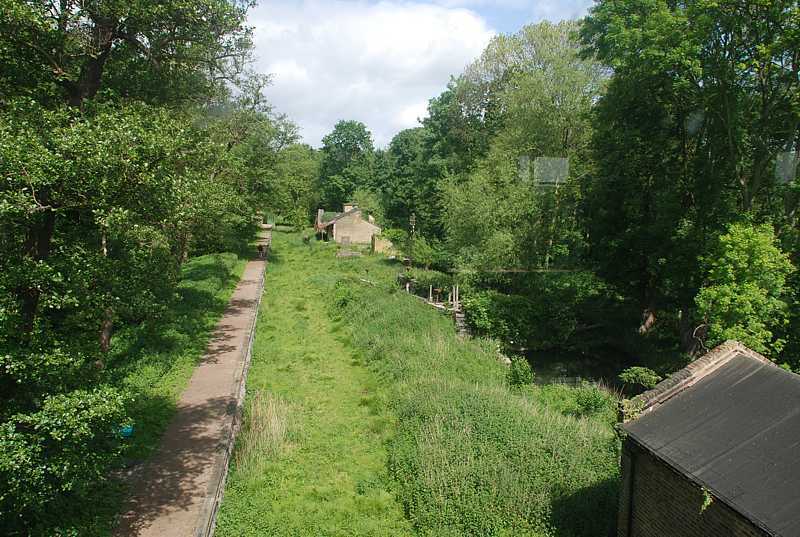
(263, 435)
(473, 455)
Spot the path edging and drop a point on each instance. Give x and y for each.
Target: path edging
(207, 519)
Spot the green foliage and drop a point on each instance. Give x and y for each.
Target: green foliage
(78, 51)
(543, 310)
(423, 280)
(641, 376)
(44, 456)
(116, 168)
(421, 251)
(471, 455)
(396, 236)
(743, 298)
(369, 202)
(56, 461)
(591, 400)
(347, 160)
(286, 184)
(519, 372)
(498, 217)
(703, 99)
(410, 185)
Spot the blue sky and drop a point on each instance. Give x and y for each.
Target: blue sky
(509, 15)
(377, 61)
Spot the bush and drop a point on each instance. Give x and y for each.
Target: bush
(519, 372)
(641, 376)
(744, 295)
(44, 456)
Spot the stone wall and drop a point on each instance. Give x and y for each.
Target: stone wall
(354, 227)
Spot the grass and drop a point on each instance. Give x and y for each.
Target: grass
(153, 363)
(157, 359)
(394, 425)
(311, 459)
(472, 455)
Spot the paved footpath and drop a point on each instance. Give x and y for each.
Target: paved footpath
(176, 492)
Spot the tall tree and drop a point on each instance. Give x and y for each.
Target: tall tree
(347, 162)
(721, 80)
(71, 50)
(499, 217)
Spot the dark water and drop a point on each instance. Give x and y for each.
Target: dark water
(572, 367)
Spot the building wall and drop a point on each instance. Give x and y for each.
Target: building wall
(354, 226)
(657, 501)
(382, 246)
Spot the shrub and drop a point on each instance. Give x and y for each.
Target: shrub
(519, 372)
(590, 400)
(44, 456)
(743, 297)
(641, 376)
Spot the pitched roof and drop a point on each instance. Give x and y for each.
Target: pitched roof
(339, 216)
(328, 219)
(731, 423)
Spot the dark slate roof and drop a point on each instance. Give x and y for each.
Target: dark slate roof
(734, 427)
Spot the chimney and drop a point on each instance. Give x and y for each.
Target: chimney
(349, 207)
(320, 212)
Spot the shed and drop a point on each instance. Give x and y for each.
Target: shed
(714, 450)
(348, 227)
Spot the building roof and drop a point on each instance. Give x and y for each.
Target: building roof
(730, 422)
(326, 218)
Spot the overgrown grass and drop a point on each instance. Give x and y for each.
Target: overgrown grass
(363, 366)
(263, 436)
(153, 362)
(325, 473)
(472, 455)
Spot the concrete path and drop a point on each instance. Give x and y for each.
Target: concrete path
(176, 493)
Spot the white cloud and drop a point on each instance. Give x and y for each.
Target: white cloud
(376, 63)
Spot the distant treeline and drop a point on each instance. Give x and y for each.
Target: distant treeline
(675, 225)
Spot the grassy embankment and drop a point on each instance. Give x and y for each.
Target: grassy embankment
(362, 398)
(153, 363)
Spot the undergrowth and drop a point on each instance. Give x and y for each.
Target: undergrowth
(472, 454)
(385, 399)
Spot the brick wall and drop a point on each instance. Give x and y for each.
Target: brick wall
(656, 501)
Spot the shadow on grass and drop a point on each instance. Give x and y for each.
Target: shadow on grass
(587, 512)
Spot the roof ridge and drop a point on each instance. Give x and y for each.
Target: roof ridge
(686, 377)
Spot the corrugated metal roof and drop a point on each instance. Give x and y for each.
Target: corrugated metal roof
(737, 432)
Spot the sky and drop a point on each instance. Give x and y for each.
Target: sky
(377, 62)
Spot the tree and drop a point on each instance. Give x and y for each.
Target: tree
(347, 158)
(412, 184)
(704, 96)
(102, 198)
(743, 297)
(292, 193)
(72, 50)
(499, 218)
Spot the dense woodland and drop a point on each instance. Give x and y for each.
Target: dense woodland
(133, 137)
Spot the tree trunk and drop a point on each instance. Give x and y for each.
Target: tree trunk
(37, 246)
(648, 320)
(106, 329)
(88, 84)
